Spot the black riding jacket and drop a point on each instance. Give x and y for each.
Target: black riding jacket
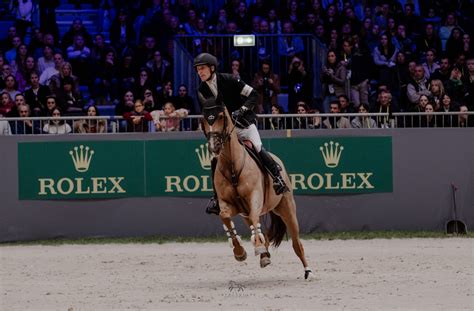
(234, 93)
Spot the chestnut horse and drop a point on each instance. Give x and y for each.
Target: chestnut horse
(243, 189)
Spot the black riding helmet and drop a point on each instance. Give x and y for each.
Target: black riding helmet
(205, 59)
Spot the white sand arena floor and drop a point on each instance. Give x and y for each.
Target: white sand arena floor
(414, 274)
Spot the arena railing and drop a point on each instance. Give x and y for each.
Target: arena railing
(117, 124)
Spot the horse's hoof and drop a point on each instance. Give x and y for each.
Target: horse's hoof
(265, 261)
(260, 250)
(308, 274)
(241, 257)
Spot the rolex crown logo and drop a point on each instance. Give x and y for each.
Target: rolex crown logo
(331, 153)
(204, 156)
(81, 157)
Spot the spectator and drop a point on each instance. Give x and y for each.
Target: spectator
(183, 100)
(149, 100)
(165, 94)
(7, 43)
(430, 64)
(146, 52)
(267, 85)
(77, 28)
(278, 122)
(36, 95)
(57, 80)
(4, 126)
(23, 11)
(169, 118)
(445, 30)
(334, 78)
(402, 78)
(127, 72)
(143, 82)
(345, 104)
(18, 63)
(418, 86)
(411, 20)
(238, 71)
(69, 99)
(160, 69)
(464, 120)
(11, 86)
(289, 45)
(122, 34)
(384, 58)
(51, 103)
(454, 44)
(299, 84)
(106, 84)
(428, 41)
(6, 71)
(10, 55)
(48, 16)
(446, 106)
(443, 72)
(454, 86)
(6, 103)
(56, 125)
(335, 121)
(437, 92)
(23, 75)
(301, 122)
(48, 73)
(467, 46)
(402, 42)
(79, 55)
(358, 60)
(126, 104)
(363, 121)
(468, 82)
(99, 49)
(90, 126)
(428, 120)
(385, 106)
(137, 120)
(47, 60)
(26, 125)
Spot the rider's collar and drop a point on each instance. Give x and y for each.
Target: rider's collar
(212, 83)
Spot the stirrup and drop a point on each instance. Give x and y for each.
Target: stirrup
(279, 185)
(213, 207)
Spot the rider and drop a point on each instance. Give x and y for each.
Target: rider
(239, 98)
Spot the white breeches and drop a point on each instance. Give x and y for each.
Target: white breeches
(250, 133)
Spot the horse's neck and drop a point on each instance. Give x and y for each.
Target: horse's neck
(233, 151)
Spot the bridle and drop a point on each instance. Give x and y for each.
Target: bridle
(210, 115)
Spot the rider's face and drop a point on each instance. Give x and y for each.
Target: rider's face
(204, 72)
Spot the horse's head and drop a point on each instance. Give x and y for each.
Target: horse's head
(216, 124)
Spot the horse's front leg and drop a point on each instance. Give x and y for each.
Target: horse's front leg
(257, 238)
(235, 241)
(264, 257)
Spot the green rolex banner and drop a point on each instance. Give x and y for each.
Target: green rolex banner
(112, 169)
(81, 170)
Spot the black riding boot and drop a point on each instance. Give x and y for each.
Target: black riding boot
(274, 169)
(213, 204)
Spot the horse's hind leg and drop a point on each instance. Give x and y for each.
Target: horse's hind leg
(235, 241)
(287, 211)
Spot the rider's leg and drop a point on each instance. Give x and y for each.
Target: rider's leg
(251, 133)
(213, 204)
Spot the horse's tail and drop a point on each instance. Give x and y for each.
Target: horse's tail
(277, 229)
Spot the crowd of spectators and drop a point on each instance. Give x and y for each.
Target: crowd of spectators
(382, 56)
